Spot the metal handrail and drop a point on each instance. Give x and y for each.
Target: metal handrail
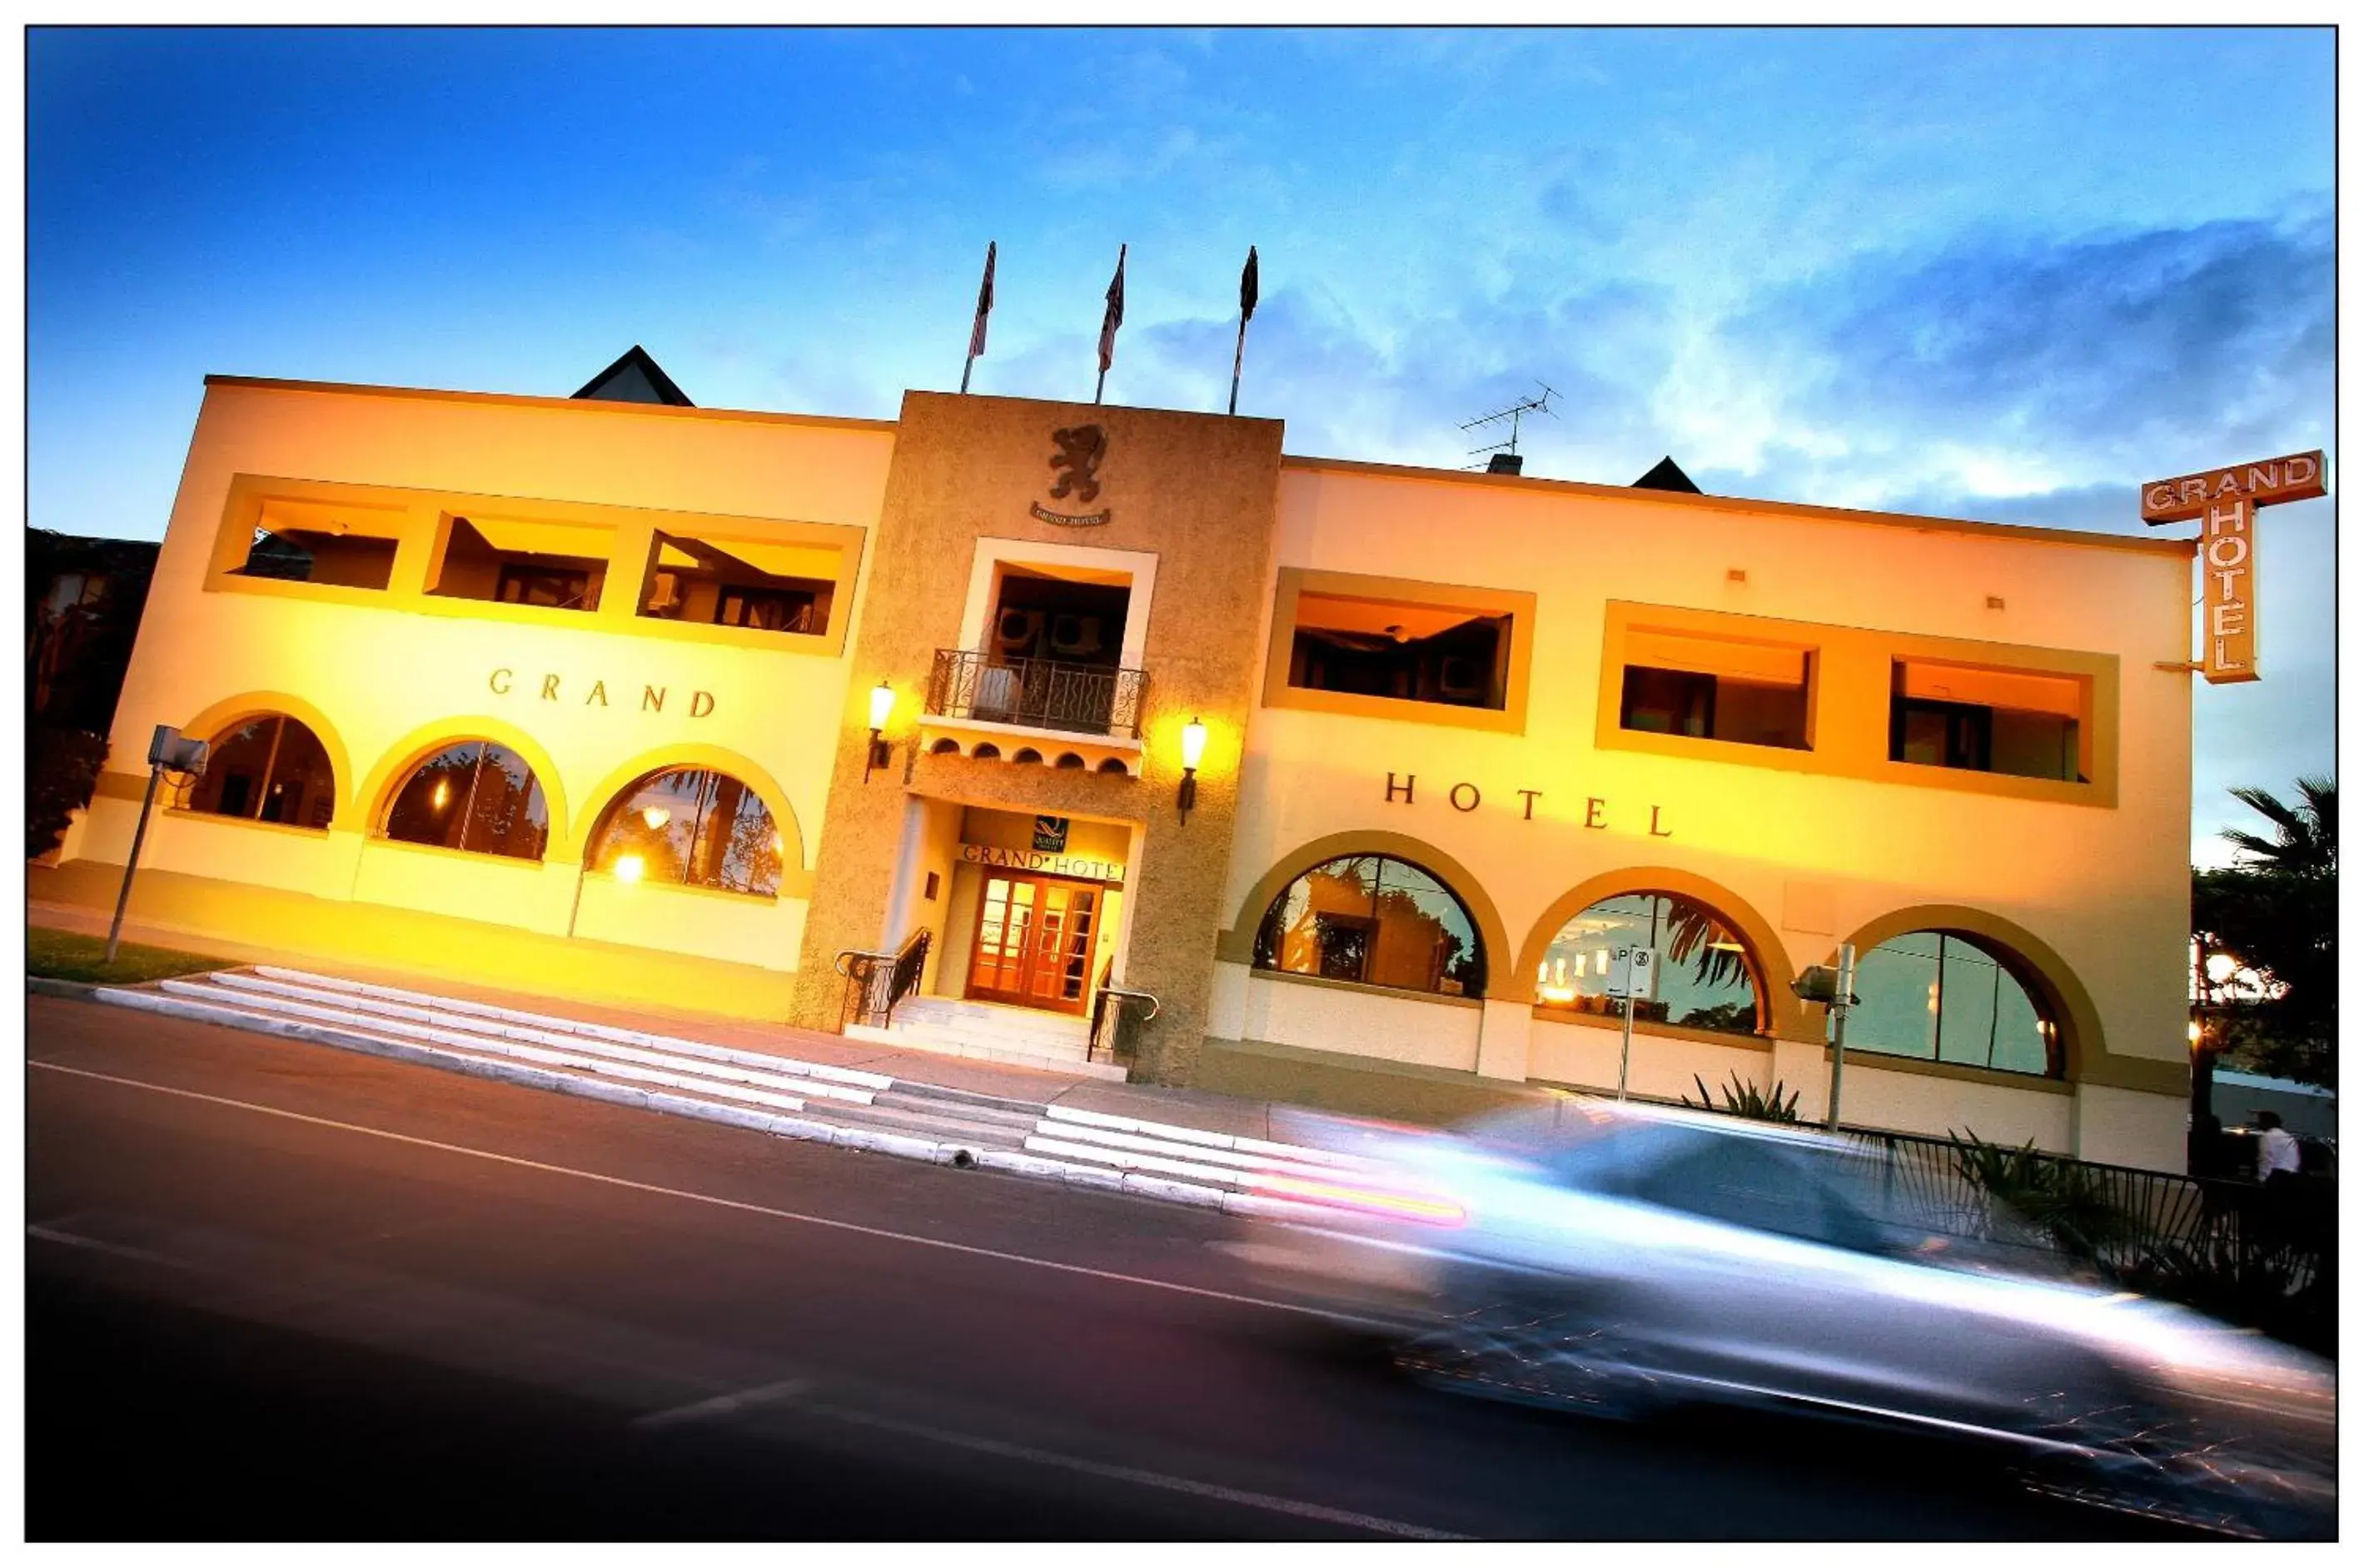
(876, 981)
(1042, 694)
(1109, 1041)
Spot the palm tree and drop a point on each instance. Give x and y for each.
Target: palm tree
(2306, 834)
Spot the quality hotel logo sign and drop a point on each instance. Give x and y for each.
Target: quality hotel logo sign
(2226, 501)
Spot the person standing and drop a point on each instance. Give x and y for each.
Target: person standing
(2277, 1151)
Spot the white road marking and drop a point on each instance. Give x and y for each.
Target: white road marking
(724, 1404)
(739, 1205)
(92, 1244)
(1126, 1473)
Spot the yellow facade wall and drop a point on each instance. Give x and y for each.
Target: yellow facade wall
(386, 676)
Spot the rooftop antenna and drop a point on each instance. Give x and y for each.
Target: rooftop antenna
(1502, 457)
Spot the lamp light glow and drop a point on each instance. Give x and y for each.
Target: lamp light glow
(656, 817)
(2222, 967)
(631, 868)
(1193, 747)
(443, 797)
(882, 708)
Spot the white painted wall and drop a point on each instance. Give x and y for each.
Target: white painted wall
(1400, 1028)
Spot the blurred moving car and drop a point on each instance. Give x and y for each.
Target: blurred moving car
(1618, 1259)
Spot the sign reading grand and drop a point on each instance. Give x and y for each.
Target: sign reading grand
(2226, 500)
(2294, 478)
(1087, 868)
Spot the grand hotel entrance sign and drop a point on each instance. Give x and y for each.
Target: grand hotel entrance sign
(2228, 500)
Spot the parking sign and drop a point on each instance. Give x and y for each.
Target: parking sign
(1633, 971)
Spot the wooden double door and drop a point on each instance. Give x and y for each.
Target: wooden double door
(1036, 936)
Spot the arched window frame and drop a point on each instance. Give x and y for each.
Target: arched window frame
(485, 747)
(1263, 960)
(2023, 973)
(1752, 965)
(193, 788)
(707, 792)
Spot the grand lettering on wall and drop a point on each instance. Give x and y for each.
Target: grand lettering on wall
(1465, 798)
(695, 703)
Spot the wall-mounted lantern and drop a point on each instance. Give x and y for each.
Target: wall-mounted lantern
(882, 705)
(1193, 747)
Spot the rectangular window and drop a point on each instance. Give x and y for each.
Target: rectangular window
(299, 543)
(516, 561)
(744, 582)
(1412, 652)
(2020, 722)
(1715, 689)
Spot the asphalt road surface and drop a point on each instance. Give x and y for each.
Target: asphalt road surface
(277, 1291)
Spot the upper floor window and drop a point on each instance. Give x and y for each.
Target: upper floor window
(517, 562)
(305, 542)
(1376, 920)
(1715, 689)
(1377, 648)
(1999, 721)
(472, 796)
(762, 585)
(267, 769)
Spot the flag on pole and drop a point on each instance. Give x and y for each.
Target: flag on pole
(1115, 317)
(984, 305)
(984, 309)
(1247, 309)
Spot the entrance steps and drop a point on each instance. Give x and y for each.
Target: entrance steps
(991, 1031)
(781, 1094)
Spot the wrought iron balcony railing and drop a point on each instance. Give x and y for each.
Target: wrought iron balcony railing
(1040, 692)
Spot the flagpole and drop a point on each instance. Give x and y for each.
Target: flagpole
(967, 365)
(1099, 386)
(984, 309)
(1239, 351)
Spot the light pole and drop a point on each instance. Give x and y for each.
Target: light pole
(167, 752)
(1834, 988)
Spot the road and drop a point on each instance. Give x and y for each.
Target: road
(277, 1291)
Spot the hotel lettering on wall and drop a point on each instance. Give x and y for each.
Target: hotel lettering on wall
(1086, 867)
(1403, 789)
(504, 682)
(2225, 502)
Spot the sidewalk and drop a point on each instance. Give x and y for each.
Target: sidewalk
(1193, 1107)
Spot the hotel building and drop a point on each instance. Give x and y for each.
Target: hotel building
(1363, 772)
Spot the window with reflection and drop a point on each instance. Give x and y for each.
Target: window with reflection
(472, 796)
(1940, 997)
(270, 768)
(1376, 920)
(692, 827)
(1705, 978)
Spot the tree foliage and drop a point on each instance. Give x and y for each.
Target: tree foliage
(2274, 912)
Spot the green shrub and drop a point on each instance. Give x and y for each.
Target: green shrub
(2060, 1199)
(60, 773)
(1747, 1100)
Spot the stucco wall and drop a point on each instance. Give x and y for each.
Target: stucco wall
(1195, 490)
(384, 675)
(1292, 1010)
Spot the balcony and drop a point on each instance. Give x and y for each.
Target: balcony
(1035, 694)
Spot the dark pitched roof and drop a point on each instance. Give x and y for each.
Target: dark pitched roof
(1667, 476)
(635, 378)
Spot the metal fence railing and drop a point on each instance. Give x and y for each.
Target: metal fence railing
(875, 982)
(1041, 693)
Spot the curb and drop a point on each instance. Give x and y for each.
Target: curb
(73, 990)
(959, 1155)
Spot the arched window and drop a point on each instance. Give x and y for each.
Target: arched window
(1944, 996)
(270, 768)
(472, 796)
(691, 825)
(1705, 979)
(1376, 919)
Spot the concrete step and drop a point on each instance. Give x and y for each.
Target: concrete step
(983, 1019)
(1042, 1058)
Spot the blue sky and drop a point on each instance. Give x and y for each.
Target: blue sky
(2000, 274)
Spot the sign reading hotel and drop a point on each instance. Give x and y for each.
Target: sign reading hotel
(2226, 500)
(1086, 867)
